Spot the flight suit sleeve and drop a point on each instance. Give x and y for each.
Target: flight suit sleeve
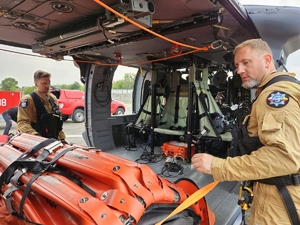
(26, 115)
(278, 129)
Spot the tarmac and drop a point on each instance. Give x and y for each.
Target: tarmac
(72, 130)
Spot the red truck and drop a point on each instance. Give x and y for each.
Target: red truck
(71, 104)
(9, 99)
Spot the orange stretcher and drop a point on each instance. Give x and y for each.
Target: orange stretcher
(46, 182)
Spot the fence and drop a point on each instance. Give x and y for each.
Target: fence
(122, 95)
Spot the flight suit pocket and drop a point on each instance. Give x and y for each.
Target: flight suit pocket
(272, 122)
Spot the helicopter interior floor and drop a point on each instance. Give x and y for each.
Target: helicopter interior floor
(220, 200)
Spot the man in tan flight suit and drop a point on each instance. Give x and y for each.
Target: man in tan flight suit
(27, 112)
(275, 120)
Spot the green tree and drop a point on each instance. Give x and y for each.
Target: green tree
(28, 90)
(75, 86)
(9, 84)
(62, 86)
(126, 83)
(118, 84)
(129, 80)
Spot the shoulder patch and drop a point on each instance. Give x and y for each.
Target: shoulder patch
(23, 103)
(278, 99)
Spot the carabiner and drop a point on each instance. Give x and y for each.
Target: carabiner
(217, 44)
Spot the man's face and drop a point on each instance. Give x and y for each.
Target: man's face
(43, 85)
(250, 66)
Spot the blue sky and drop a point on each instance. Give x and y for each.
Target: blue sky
(22, 67)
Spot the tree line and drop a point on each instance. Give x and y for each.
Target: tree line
(11, 84)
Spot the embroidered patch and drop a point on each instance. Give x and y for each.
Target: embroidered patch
(23, 103)
(278, 99)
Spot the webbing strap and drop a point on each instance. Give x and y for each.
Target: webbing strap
(41, 171)
(7, 197)
(9, 172)
(281, 78)
(15, 179)
(36, 148)
(26, 191)
(191, 200)
(289, 204)
(177, 104)
(201, 97)
(73, 179)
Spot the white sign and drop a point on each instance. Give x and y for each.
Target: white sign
(2, 101)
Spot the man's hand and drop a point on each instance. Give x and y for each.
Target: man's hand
(202, 162)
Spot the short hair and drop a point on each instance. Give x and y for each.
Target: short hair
(255, 44)
(40, 74)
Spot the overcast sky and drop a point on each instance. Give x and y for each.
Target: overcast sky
(21, 67)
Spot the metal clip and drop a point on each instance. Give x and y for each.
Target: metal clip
(217, 44)
(7, 198)
(54, 145)
(129, 220)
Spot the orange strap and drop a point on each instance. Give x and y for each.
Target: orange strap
(191, 200)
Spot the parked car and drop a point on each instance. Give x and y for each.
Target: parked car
(71, 104)
(117, 107)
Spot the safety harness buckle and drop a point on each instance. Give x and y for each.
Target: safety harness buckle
(7, 198)
(54, 145)
(296, 178)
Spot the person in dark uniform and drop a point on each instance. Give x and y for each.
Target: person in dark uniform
(9, 115)
(38, 112)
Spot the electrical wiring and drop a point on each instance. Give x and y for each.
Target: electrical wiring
(148, 157)
(149, 31)
(100, 23)
(101, 86)
(132, 143)
(171, 169)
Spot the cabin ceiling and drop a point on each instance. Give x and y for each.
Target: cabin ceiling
(86, 30)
